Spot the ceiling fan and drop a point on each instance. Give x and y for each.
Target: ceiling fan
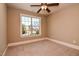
(44, 6)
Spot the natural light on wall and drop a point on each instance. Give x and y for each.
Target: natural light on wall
(30, 26)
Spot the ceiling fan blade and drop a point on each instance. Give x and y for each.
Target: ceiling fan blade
(35, 5)
(39, 10)
(47, 10)
(43, 4)
(53, 4)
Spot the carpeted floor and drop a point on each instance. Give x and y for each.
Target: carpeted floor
(42, 48)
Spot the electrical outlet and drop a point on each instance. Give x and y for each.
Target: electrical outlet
(74, 41)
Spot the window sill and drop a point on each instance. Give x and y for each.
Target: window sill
(30, 36)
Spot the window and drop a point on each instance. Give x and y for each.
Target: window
(30, 26)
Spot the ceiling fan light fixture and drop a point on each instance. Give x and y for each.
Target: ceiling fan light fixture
(44, 7)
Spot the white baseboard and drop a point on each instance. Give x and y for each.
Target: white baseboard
(65, 43)
(4, 51)
(25, 42)
(40, 39)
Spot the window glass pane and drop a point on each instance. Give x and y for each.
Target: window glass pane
(30, 26)
(23, 29)
(35, 26)
(35, 22)
(25, 19)
(35, 30)
(26, 25)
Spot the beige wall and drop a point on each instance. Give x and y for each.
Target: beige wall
(14, 25)
(63, 25)
(3, 29)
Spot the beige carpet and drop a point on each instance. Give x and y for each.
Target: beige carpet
(41, 48)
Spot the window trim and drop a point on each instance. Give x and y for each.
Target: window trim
(31, 19)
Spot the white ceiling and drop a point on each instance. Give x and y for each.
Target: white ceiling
(26, 6)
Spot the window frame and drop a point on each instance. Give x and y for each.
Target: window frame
(21, 35)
